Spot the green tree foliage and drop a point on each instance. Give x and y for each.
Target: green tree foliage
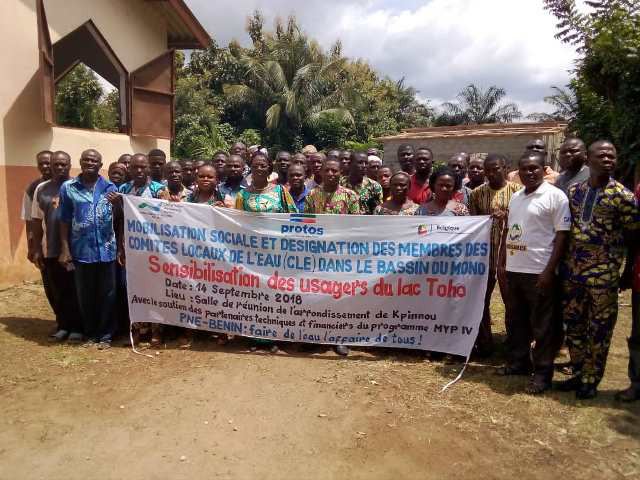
(80, 102)
(289, 80)
(106, 115)
(77, 96)
(607, 75)
(476, 106)
(285, 91)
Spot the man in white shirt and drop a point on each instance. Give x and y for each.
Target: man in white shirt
(538, 224)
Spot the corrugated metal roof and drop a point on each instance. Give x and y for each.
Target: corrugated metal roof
(484, 130)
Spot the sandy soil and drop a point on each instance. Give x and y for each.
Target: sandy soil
(223, 412)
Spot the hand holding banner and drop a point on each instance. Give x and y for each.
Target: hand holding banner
(385, 281)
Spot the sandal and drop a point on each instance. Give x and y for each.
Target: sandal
(536, 387)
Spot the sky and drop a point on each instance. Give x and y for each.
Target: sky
(438, 46)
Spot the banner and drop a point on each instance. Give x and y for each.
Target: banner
(378, 281)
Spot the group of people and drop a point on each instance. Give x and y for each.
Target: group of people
(558, 239)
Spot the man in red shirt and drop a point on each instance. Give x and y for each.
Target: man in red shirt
(419, 190)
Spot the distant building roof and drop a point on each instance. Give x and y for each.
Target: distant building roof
(184, 31)
(483, 130)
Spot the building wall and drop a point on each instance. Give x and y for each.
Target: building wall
(443, 148)
(135, 34)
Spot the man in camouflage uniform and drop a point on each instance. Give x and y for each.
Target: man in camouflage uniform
(604, 218)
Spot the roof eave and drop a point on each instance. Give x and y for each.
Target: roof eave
(201, 37)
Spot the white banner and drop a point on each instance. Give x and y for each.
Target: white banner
(380, 281)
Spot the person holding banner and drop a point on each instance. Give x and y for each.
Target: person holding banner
(332, 198)
(493, 199)
(444, 183)
(399, 203)
(533, 244)
(88, 246)
(264, 197)
(141, 185)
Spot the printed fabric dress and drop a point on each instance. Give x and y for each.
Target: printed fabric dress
(341, 202)
(276, 200)
(409, 208)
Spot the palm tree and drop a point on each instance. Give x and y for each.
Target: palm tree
(475, 106)
(565, 104)
(290, 79)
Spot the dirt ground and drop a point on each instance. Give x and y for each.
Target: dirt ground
(226, 413)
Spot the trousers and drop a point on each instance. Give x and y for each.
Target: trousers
(62, 296)
(96, 289)
(530, 316)
(590, 314)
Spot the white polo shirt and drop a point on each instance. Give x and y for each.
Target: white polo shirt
(533, 222)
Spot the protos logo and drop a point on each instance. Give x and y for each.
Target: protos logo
(307, 226)
(306, 229)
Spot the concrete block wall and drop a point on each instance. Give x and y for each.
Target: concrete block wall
(511, 146)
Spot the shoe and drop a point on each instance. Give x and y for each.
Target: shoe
(587, 391)
(508, 371)
(537, 386)
(75, 338)
(631, 394)
(573, 384)
(104, 345)
(59, 336)
(342, 350)
(274, 349)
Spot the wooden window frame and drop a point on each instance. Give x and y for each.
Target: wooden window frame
(133, 86)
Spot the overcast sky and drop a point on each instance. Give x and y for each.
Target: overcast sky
(439, 46)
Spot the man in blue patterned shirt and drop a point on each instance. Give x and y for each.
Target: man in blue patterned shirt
(88, 245)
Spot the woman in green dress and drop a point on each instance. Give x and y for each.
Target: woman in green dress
(398, 203)
(264, 197)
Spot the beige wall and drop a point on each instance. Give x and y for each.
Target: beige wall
(124, 23)
(136, 35)
(443, 148)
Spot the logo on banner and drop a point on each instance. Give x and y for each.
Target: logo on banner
(161, 210)
(143, 206)
(302, 224)
(438, 228)
(424, 229)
